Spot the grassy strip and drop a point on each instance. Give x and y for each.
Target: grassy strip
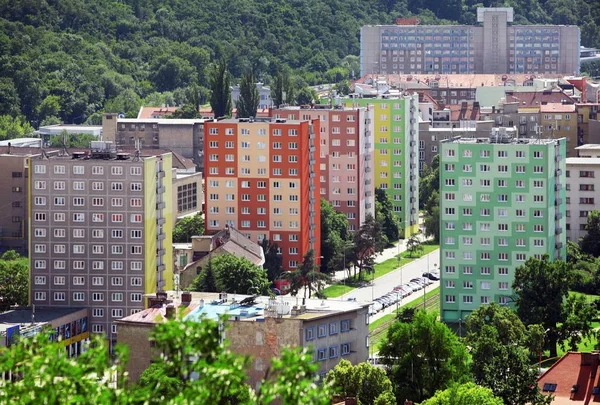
(375, 340)
(381, 269)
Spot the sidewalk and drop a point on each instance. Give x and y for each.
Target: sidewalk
(388, 253)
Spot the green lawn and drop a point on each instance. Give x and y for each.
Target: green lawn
(381, 269)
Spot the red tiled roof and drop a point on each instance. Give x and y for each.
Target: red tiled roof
(568, 372)
(153, 112)
(460, 112)
(557, 107)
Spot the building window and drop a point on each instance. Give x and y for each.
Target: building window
(309, 333)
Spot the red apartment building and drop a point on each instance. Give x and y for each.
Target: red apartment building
(346, 151)
(261, 179)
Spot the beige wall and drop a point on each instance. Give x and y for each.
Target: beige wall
(195, 178)
(137, 338)
(13, 200)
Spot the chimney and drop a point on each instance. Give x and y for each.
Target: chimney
(186, 298)
(158, 301)
(9, 145)
(170, 311)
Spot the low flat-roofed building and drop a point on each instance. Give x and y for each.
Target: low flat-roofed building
(259, 327)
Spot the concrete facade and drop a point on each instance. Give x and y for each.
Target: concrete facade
(188, 193)
(261, 330)
(396, 163)
(261, 178)
(264, 92)
(493, 47)
(346, 149)
(501, 201)
(100, 232)
(182, 136)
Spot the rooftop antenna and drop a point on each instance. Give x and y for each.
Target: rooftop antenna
(136, 157)
(33, 314)
(43, 155)
(64, 151)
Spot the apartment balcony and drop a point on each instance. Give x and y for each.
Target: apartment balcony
(161, 236)
(160, 205)
(160, 190)
(161, 267)
(160, 174)
(558, 230)
(559, 245)
(160, 221)
(160, 252)
(558, 216)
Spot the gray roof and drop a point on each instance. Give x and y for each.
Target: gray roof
(42, 314)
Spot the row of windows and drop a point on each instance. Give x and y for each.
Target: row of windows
(247, 145)
(521, 198)
(95, 281)
(261, 171)
(80, 233)
(96, 170)
(115, 312)
(468, 182)
(259, 211)
(247, 184)
(259, 131)
(467, 168)
(484, 285)
(486, 212)
(468, 241)
(231, 158)
(486, 153)
(80, 217)
(81, 201)
(117, 265)
(468, 299)
(80, 185)
(324, 330)
(247, 197)
(483, 270)
(96, 249)
(503, 256)
(80, 296)
(332, 352)
(214, 223)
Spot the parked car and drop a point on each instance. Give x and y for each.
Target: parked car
(432, 275)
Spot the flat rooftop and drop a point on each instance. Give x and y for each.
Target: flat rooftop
(209, 305)
(501, 141)
(589, 146)
(42, 314)
(162, 121)
(583, 161)
(260, 120)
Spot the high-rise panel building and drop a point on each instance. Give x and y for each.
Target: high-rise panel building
(495, 46)
(262, 179)
(502, 200)
(100, 231)
(345, 157)
(396, 163)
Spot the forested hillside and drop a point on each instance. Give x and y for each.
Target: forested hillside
(69, 59)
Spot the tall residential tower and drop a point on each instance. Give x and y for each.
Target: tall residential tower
(502, 200)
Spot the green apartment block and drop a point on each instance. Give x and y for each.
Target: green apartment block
(502, 200)
(396, 126)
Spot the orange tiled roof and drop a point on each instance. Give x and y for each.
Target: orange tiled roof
(580, 369)
(459, 80)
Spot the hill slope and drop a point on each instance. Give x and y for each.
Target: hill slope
(69, 59)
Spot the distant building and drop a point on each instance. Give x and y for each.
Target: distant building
(100, 231)
(23, 143)
(502, 201)
(259, 327)
(494, 47)
(46, 132)
(396, 161)
(182, 136)
(188, 191)
(263, 91)
(582, 194)
(346, 151)
(261, 178)
(206, 247)
(70, 326)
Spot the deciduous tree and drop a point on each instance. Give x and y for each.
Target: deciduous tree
(368, 241)
(590, 243)
(187, 227)
(273, 260)
(365, 382)
(423, 356)
(384, 213)
(335, 238)
(233, 274)
(464, 394)
(14, 280)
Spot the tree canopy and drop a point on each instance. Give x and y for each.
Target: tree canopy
(369, 384)
(541, 289)
(464, 394)
(187, 227)
(187, 347)
(231, 274)
(14, 280)
(423, 356)
(247, 105)
(590, 243)
(335, 238)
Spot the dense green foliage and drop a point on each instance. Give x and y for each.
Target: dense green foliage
(186, 347)
(72, 140)
(335, 238)
(273, 259)
(249, 97)
(369, 384)
(14, 280)
(87, 56)
(542, 298)
(231, 274)
(502, 348)
(187, 227)
(464, 394)
(384, 213)
(429, 198)
(307, 276)
(590, 243)
(424, 356)
(369, 240)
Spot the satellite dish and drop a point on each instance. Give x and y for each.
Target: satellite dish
(121, 115)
